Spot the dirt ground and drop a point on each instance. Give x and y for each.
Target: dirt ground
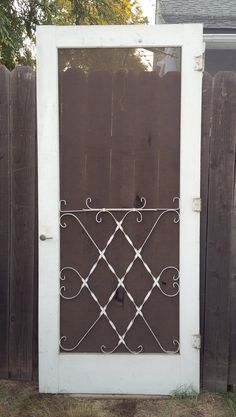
(22, 400)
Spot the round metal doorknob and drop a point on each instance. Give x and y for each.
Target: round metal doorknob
(44, 237)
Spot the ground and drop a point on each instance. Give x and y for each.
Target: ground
(19, 399)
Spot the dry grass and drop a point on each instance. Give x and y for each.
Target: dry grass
(22, 400)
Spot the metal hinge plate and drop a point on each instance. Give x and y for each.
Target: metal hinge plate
(197, 204)
(199, 63)
(196, 341)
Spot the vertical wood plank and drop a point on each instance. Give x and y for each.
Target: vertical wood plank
(221, 185)
(4, 218)
(169, 185)
(36, 243)
(123, 134)
(23, 231)
(73, 111)
(98, 136)
(146, 140)
(205, 154)
(232, 340)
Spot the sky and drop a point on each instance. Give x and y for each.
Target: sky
(148, 7)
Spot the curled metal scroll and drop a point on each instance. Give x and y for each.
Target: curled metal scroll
(84, 280)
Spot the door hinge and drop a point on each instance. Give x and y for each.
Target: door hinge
(197, 204)
(199, 62)
(196, 341)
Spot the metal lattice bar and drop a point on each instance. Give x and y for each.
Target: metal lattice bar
(120, 279)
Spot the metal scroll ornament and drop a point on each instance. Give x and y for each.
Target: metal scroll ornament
(119, 226)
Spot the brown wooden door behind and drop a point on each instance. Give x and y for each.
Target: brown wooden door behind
(119, 143)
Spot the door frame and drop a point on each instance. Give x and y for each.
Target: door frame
(117, 373)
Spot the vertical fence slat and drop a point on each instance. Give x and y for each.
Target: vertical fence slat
(232, 348)
(4, 218)
(205, 154)
(36, 242)
(123, 130)
(221, 174)
(23, 133)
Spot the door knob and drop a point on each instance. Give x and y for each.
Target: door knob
(44, 237)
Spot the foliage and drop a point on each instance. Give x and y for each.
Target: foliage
(110, 59)
(18, 20)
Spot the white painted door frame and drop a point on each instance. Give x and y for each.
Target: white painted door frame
(117, 373)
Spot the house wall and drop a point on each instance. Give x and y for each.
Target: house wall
(220, 60)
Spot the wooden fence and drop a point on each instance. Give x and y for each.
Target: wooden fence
(18, 228)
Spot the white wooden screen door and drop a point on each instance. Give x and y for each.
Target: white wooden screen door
(131, 353)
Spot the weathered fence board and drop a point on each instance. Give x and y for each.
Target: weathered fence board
(23, 214)
(18, 228)
(232, 341)
(207, 89)
(4, 217)
(220, 203)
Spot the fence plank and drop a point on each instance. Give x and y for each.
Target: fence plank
(232, 348)
(4, 217)
(36, 241)
(123, 127)
(23, 131)
(221, 174)
(205, 154)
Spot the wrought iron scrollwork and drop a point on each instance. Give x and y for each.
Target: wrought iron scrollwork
(84, 280)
